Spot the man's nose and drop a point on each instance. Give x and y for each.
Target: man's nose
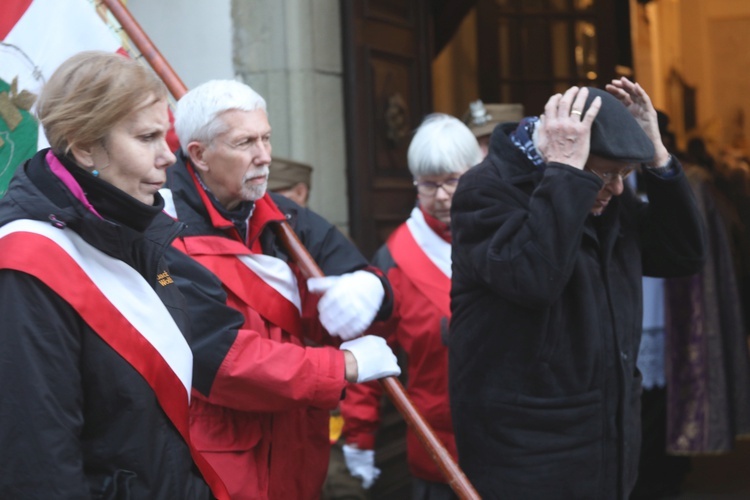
(264, 153)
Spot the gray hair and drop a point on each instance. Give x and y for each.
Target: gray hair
(198, 113)
(442, 145)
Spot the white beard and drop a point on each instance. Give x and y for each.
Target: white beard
(252, 192)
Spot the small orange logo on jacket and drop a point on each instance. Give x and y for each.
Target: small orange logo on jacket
(164, 278)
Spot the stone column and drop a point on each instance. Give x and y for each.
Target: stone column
(290, 52)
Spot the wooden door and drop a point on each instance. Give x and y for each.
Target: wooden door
(387, 61)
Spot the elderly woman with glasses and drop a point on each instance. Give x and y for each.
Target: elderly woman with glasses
(548, 256)
(417, 260)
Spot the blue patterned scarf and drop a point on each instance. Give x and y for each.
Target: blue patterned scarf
(522, 138)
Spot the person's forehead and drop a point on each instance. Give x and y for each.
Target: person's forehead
(241, 122)
(439, 178)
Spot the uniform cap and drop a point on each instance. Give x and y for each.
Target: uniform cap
(482, 118)
(285, 174)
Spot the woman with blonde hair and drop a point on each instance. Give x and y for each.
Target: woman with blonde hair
(96, 365)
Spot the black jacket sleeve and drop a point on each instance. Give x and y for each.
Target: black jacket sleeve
(673, 232)
(523, 247)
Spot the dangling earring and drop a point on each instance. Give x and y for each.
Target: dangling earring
(95, 173)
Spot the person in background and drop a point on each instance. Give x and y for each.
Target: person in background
(290, 179)
(549, 250)
(482, 119)
(417, 261)
(270, 373)
(659, 474)
(95, 358)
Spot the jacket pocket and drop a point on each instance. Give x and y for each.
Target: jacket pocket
(516, 440)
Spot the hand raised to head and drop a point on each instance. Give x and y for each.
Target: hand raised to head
(639, 104)
(565, 129)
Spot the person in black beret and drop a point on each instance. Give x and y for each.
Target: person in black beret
(549, 250)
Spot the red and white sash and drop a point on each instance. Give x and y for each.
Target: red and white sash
(119, 305)
(424, 258)
(264, 283)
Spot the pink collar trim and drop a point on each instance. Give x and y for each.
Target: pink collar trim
(62, 173)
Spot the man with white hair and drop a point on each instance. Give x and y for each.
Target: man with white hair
(262, 398)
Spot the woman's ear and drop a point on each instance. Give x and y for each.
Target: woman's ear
(196, 151)
(84, 156)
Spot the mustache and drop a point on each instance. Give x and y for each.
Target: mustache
(264, 170)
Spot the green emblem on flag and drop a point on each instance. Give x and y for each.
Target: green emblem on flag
(19, 131)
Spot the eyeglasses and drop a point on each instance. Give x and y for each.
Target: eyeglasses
(429, 188)
(608, 177)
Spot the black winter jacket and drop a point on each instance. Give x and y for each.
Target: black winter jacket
(76, 420)
(546, 303)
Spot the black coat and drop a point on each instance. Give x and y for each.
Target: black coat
(76, 420)
(547, 306)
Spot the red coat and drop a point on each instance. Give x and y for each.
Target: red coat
(261, 419)
(418, 324)
(264, 427)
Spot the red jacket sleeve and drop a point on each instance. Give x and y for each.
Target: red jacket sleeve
(259, 374)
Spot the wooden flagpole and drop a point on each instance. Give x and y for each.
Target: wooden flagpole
(393, 388)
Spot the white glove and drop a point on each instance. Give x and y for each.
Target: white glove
(361, 464)
(374, 358)
(349, 302)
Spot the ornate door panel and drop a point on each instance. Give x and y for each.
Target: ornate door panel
(387, 87)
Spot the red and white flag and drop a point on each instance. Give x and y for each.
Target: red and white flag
(35, 37)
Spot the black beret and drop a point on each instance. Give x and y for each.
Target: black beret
(615, 134)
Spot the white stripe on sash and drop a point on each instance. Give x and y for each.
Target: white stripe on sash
(126, 289)
(436, 248)
(275, 273)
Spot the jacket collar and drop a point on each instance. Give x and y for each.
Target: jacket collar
(38, 194)
(517, 168)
